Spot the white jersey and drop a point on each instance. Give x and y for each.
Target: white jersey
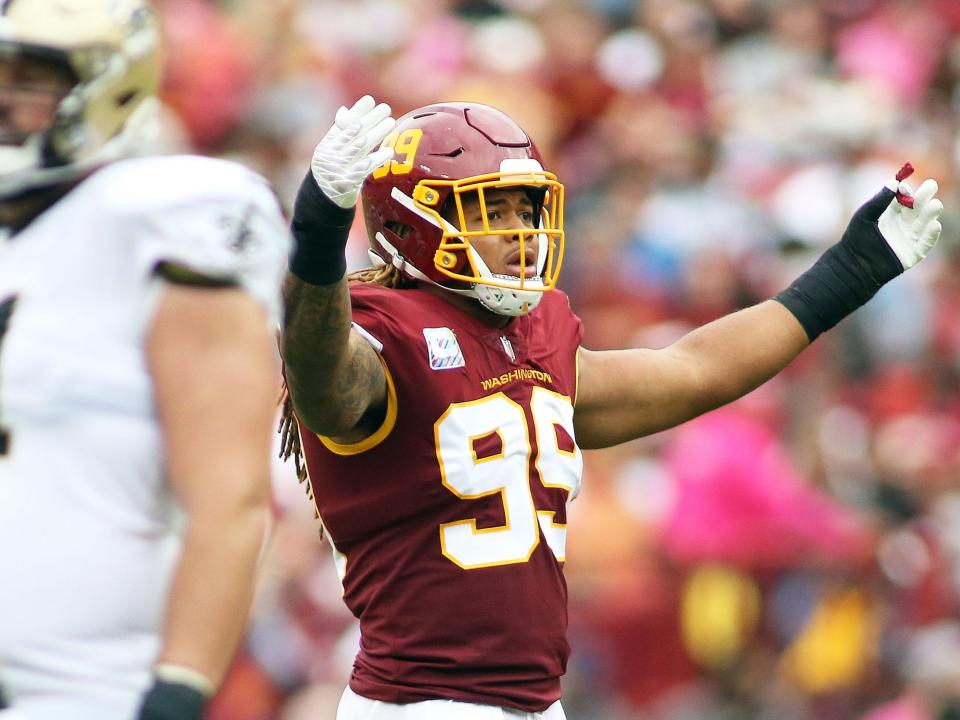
(89, 532)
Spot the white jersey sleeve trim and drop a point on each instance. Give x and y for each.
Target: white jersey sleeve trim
(376, 344)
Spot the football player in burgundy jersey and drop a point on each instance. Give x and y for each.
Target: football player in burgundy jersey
(442, 396)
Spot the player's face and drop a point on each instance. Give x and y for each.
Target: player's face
(30, 89)
(506, 209)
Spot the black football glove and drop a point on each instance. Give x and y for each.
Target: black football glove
(171, 701)
(888, 234)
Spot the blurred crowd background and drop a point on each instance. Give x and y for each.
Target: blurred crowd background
(793, 556)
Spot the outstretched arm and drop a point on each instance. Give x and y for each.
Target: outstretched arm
(626, 394)
(336, 382)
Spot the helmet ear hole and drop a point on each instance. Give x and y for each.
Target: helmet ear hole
(401, 230)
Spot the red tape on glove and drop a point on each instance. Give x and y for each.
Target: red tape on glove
(904, 172)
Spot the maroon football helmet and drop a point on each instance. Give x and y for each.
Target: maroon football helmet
(443, 153)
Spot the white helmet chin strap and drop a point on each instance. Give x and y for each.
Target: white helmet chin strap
(21, 167)
(507, 300)
(512, 303)
(20, 170)
(20, 158)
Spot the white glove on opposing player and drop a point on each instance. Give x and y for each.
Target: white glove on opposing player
(343, 159)
(911, 232)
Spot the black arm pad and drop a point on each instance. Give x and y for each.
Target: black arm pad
(846, 275)
(320, 232)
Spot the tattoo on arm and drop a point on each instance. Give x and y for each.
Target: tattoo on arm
(335, 378)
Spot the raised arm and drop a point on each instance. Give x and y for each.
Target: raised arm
(626, 394)
(336, 382)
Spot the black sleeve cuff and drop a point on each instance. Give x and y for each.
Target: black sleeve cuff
(172, 701)
(836, 285)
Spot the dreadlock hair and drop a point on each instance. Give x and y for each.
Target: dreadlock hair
(289, 428)
(386, 275)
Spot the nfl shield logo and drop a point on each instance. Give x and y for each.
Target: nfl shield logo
(508, 348)
(443, 349)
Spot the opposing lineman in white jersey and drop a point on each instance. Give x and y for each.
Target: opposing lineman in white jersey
(137, 380)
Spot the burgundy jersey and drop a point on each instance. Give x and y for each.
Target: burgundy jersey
(449, 522)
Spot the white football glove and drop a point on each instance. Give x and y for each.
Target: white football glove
(343, 159)
(911, 232)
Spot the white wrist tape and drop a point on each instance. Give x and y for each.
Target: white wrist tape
(184, 676)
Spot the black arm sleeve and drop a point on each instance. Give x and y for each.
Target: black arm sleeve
(320, 232)
(846, 275)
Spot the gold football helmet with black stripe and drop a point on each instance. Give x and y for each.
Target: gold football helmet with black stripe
(77, 86)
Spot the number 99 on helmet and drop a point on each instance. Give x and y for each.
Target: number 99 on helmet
(444, 155)
(109, 51)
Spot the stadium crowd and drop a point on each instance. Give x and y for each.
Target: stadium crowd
(795, 555)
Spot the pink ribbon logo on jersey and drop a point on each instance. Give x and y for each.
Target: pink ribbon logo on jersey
(443, 349)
